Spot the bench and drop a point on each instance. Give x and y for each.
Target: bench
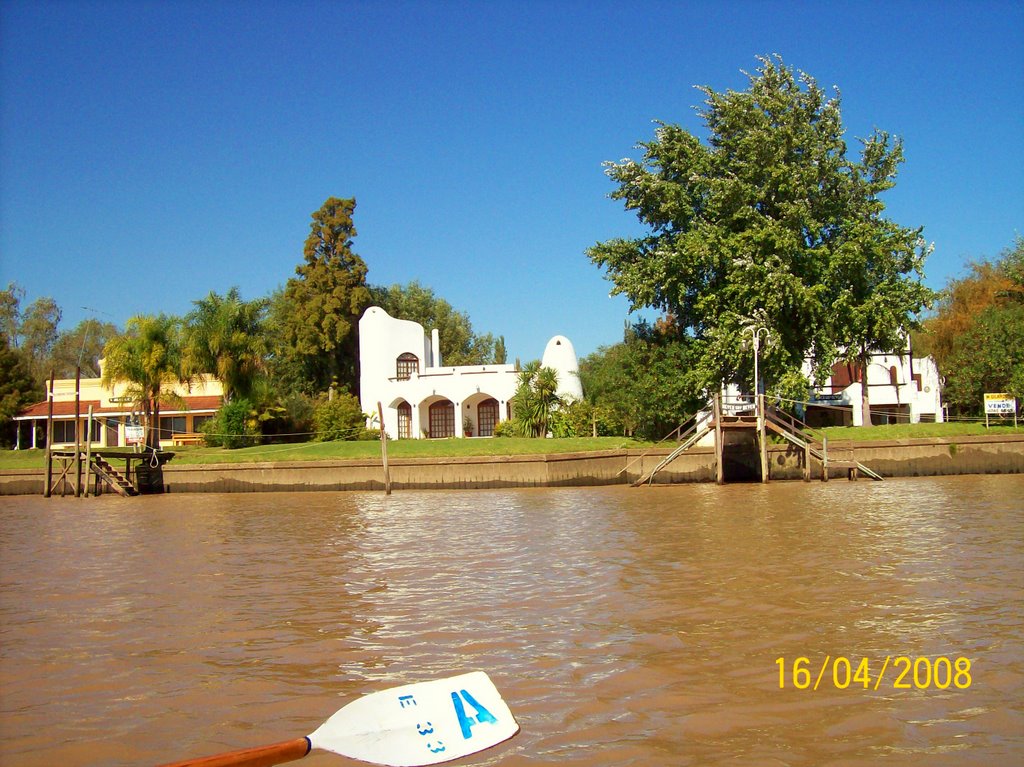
(177, 440)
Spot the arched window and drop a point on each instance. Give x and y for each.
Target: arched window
(407, 364)
(442, 419)
(487, 417)
(404, 421)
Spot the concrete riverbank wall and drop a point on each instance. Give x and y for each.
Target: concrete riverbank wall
(1001, 454)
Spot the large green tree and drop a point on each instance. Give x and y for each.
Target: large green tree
(147, 357)
(987, 283)
(769, 222)
(18, 387)
(644, 386)
(82, 346)
(325, 300)
(977, 332)
(988, 357)
(10, 313)
(415, 302)
(33, 330)
(39, 333)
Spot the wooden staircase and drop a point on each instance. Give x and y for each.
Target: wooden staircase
(697, 430)
(752, 414)
(112, 477)
(799, 434)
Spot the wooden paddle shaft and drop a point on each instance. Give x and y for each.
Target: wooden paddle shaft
(261, 756)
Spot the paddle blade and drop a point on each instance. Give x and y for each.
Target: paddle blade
(420, 724)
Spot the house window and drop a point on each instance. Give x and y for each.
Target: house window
(487, 417)
(442, 419)
(407, 365)
(405, 421)
(63, 431)
(171, 425)
(199, 420)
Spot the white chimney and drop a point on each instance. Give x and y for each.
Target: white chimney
(435, 346)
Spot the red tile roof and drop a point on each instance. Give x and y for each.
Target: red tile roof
(67, 409)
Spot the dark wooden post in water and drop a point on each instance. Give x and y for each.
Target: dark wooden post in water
(384, 450)
(48, 486)
(88, 452)
(78, 432)
(719, 448)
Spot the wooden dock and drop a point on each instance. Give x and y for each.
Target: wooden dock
(142, 472)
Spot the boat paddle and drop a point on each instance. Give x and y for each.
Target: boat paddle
(409, 726)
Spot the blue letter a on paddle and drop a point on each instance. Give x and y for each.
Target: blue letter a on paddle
(467, 722)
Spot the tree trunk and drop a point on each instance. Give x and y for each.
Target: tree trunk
(865, 403)
(154, 427)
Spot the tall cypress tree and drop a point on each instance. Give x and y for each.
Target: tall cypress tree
(326, 298)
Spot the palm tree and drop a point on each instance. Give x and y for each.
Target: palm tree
(224, 335)
(535, 399)
(147, 357)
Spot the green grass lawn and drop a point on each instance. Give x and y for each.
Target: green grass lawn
(327, 451)
(916, 430)
(439, 448)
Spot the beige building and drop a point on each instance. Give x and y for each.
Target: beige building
(113, 414)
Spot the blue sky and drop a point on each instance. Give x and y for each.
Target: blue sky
(151, 152)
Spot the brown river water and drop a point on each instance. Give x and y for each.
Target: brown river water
(622, 626)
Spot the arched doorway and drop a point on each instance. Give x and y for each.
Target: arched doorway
(404, 420)
(442, 419)
(487, 417)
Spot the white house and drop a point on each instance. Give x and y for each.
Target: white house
(400, 368)
(901, 389)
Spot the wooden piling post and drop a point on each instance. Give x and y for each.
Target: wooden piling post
(48, 485)
(384, 450)
(88, 452)
(78, 432)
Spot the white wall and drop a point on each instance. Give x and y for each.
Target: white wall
(560, 355)
(383, 338)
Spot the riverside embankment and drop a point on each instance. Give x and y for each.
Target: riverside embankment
(926, 456)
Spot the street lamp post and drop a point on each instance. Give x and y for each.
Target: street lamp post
(755, 334)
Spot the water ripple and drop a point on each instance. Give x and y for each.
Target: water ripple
(624, 627)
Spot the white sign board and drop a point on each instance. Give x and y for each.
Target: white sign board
(134, 435)
(1000, 404)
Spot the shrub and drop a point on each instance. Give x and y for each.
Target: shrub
(339, 418)
(232, 427)
(505, 429)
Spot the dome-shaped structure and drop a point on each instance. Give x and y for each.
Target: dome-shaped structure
(560, 355)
